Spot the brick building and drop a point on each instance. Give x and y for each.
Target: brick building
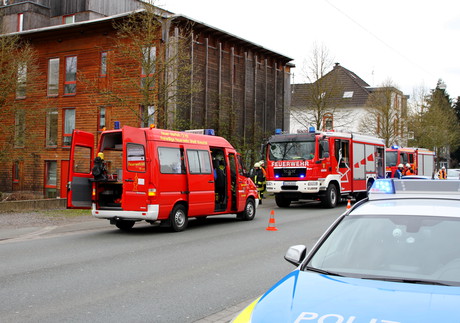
(74, 40)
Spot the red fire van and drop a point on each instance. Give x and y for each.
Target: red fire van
(158, 175)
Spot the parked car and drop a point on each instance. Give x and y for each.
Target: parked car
(392, 257)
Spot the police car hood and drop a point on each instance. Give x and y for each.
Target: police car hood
(310, 297)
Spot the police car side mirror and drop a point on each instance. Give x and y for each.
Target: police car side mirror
(296, 254)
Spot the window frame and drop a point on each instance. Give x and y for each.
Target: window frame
(148, 61)
(20, 25)
(70, 83)
(55, 74)
(19, 128)
(103, 64)
(21, 83)
(65, 134)
(64, 19)
(16, 172)
(47, 186)
(49, 130)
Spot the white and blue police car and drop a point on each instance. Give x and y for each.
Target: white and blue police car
(391, 258)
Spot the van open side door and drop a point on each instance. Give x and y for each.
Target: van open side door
(81, 161)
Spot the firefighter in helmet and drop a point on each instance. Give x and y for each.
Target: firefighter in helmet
(408, 170)
(259, 180)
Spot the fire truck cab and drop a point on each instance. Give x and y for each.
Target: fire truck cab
(322, 165)
(158, 175)
(421, 160)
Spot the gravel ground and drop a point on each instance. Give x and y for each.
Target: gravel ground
(43, 218)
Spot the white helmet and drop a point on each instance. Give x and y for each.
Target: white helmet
(407, 165)
(400, 166)
(257, 165)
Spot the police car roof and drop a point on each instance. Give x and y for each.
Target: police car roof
(412, 197)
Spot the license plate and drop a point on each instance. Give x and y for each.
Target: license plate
(289, 183)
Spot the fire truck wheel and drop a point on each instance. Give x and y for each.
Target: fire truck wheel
(329, 199)
(282, 201)
(249, 211)
(124, 225)
(178, 218)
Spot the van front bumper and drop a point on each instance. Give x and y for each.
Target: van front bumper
(150, 215)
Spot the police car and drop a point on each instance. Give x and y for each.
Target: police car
(391, 258)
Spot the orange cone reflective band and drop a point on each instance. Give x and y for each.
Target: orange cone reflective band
(349, 204)
(271, 222)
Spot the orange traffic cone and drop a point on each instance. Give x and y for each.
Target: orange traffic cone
(349, 204)
(271, 222)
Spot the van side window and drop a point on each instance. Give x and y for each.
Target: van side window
(135, 155)
(199, 161)
(171, 160)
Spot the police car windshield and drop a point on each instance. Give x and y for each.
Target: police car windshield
(293, 150)
(393, 247)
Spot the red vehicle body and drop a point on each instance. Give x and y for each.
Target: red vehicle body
(322, 165)
(421, 160)
(158, 175)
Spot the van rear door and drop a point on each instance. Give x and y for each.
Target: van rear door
(81, 160)
(135, 171)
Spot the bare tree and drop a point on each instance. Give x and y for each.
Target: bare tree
(151, 69)
(385, 115)
(18, 79)
(323, 93)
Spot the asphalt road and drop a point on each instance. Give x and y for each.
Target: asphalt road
(92, 272)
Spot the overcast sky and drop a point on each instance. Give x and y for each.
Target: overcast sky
(413, 43)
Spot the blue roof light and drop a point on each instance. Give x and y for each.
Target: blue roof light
(383, 186)
(311, 130)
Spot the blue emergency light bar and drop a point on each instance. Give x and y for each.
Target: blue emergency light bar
(209, 132)
(417, 188)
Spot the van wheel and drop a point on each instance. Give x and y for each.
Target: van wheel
(124, 225)
(330, 198)
(282, 201)
(178, 218)
(249, 211)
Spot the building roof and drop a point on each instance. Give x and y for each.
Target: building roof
(354, 91)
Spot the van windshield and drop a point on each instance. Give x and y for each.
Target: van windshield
(297, 150)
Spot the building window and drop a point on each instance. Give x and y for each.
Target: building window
(328, 122)
(69, 19)
(21, 81)
(147, 116)
(51, 127)
(347, 94)
(50, 179)
(69, 126)
(19, 128)
(70, 84)
(148, 67)
(103, 64)
(20, 21)
(104, 118)
(53, 76)
(16, 171)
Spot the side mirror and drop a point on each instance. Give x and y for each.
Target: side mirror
(296, 254)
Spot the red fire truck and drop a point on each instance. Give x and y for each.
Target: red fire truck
(421, 160)
(322, 165)
(158, 175)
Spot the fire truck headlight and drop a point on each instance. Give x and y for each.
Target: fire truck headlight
(313, 184)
